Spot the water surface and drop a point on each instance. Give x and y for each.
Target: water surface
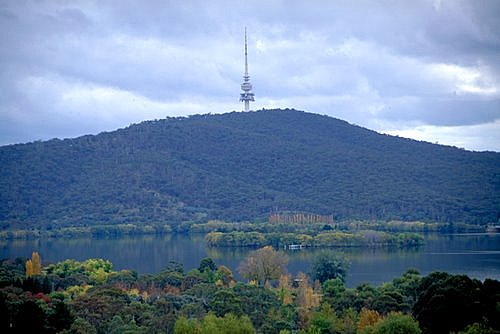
(476, 255)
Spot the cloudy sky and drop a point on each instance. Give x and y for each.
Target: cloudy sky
(428, 69)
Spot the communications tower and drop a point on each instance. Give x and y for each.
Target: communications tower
(246, 86)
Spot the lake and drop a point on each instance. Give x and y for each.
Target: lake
(477, 255)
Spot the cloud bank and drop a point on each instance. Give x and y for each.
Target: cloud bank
(428, 70)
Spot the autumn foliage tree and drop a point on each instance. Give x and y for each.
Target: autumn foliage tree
(307, 299)
(285, 289)
(263, 265)
(34, 265)
(368, 318)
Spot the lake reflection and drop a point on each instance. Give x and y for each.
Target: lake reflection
(477, 255)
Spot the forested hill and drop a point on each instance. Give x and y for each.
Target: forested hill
(240, 166)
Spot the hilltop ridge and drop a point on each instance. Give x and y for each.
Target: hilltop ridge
(240, 166)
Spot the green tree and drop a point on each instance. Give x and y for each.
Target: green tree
(99, 305)
(329, 265)
(30, 318)
(350, 321)
(226, 301)
(211, 324)
(229, 324)
(256, 302)
(80, 326)
(325, 320)
(184, 325)
(449, 303)
(477, 328)
(408, 286)
(207, 264)
(397, 323)
(285, 318)
(389, 299)
(116, 325)
(332, 288)
(60, 316)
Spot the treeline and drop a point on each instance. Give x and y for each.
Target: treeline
(88, 231)
(258, 225)
(324, 239)
(319, 226)
(91, 297)
(408, 226)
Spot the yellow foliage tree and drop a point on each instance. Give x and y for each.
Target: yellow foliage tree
(224, 277)
(307, 299)
(367, 318)
(263, 265)
(29, 268)
(306, 296)
(285, 289)
(37, 263)
(34, 265)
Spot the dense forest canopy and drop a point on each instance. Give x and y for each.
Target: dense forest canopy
(243, 166)
(90, 297)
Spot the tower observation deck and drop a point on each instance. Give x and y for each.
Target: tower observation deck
(246, 86)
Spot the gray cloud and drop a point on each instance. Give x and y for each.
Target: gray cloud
(409, 68)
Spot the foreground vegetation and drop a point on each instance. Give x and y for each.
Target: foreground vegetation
(91, 297)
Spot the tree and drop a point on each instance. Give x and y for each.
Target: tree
(37, 263)
(367, 318)
(224, 276)
(389, 299)
(211, 324)
(283, 319)
(29, 268)
(184, 325)
(33, 265)
(81, 326)
(30, 318)
(256, 302)
(207, 264)
(285, 289)
(60, 318)
(307, 299)
(324, 320)
(449, 303)
(397, 323)
(477, 328)
(329, 265)
(408, 285)
(350, 321)
(263, 265)
(226, 301)
(333, 288)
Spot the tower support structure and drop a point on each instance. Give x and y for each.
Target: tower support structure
(246, 86)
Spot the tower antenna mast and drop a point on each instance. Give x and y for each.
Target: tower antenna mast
(246, 86)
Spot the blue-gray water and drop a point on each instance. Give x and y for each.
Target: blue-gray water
(477, 255)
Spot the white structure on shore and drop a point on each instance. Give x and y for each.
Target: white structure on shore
(246, 86)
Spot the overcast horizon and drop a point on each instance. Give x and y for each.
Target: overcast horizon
(427, 70)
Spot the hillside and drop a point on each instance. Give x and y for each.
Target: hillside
(240, 166)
